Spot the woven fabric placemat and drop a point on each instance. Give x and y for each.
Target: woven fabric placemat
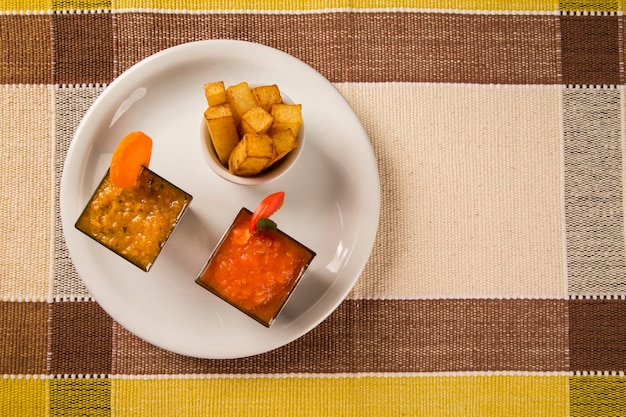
(496, 282)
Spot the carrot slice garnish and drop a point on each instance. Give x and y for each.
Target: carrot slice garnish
(133, 152)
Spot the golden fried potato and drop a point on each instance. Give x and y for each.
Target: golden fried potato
(284, 142)
(286, 116)
(251, 129)
(222, 129)
(266, 96)
(251, 155)
(240, 99)
(215, 93)
(256, 120)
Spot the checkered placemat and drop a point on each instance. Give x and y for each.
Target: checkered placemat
(497, 281)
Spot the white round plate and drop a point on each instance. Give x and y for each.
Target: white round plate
(331, 205)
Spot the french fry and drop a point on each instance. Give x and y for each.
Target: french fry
(215, 93)
(240, 99)
(222, 129)
(256, 120)
(284, 142)
(266, 96)
(251, 155)
(286, 116)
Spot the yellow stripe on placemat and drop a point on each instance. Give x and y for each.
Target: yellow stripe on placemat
(597, 395)
(80, 396)
(490, 5)
(262, 5)
(25, 5)
(24, 397)
(591, 5)
(275, 5)
(477, 395)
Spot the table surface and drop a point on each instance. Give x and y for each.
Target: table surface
(496, 284)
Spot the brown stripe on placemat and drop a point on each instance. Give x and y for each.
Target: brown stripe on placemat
(26, 49)
(371, 47)
(83, 48)
(24, 338)
(345, 47)
(591, 49)
(597, 335)
(594, 214)
(81, 338)
(392, 336)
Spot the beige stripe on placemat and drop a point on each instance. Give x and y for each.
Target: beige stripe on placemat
(471, 190)
(71, 103)
(471, 182)
(391, 336)
(27, 191)
(596, 256)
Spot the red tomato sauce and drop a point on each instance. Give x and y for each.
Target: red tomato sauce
(255, 273)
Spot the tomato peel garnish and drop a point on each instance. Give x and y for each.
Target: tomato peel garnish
(266, 208)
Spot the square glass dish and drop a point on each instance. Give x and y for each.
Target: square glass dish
(134, 222)
(255, 273)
